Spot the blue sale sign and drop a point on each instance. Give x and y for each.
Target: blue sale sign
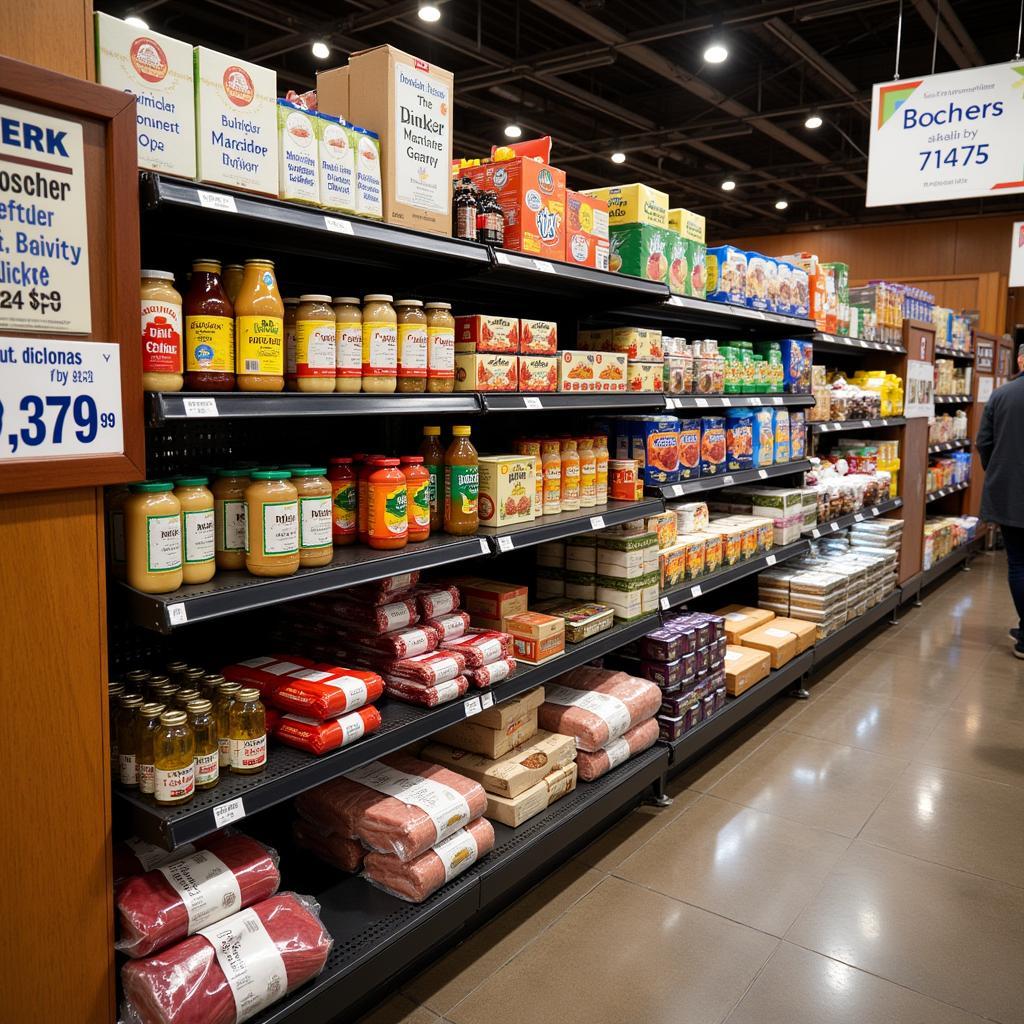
(59, 398)
(952, 136)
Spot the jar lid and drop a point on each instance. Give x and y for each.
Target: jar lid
(192, 481)
(386, 463)
(270, 474)
(139, 674)
(292, 466)
(290, 301)
(412, 460)
(152, 487)
(201, 706)
(309, 471)
(341, 460)
(259, 263)
(315, 298)
(226, 473)
(131, 700)
(172, 718)
(234, 266)
(184, 696)
(160, 275)
(151, 710)
(460, 431)
(249, 693)
(409, 302)
(213, 679)
(378, 298)
(177, 666)
(203, 264)
(230, 687)
(346, 300)
(431, 431)
(115, 689)
(437, 305)
(158, 680)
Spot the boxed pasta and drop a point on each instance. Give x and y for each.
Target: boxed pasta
(513, 811)
(744, 666)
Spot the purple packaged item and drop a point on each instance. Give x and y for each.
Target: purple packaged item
(664, 644)
(708, 707)
(692, 716)
(688, 667)
(720, 698)
(662, 673)
(720, 645)
(700, 661)
(717, 678)
(671, 728)
(715, 625)
(675, 706)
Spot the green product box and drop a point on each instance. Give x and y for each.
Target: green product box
(841, 271)
(628, 542)
(687, 266)
(641, 250)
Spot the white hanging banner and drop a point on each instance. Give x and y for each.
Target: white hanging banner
(1017, 256)
(952, 136)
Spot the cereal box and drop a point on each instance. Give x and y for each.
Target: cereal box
(689, 449)
(488, 371)
(538, 337)
(633, 204)
(727, 275)
(591, 371)
(712, 445)
(644, 377)
(656, 441)
(507, 489)
(586, 232)
(299, 170)
(483, 333)
(538, 373)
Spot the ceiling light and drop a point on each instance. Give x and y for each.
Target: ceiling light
(781, 205)
(429, 12)
(716, 53)
(321, 50)
(814, 120)
(728, 185)
(136, 22)
(513, 131)
(618, 158)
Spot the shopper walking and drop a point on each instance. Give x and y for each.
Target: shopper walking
(1000, 444)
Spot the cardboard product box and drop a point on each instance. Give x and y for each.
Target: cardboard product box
(801, 630)
(740, 618)
(640, 344)
(298, 154)
(491, 599)
(508, 713)
(591, 371)
(744, 666)
(491, 742)
(665, 526)
(513, 811)
(551, 553)
(507, 489)
(691, 226)
(599, 340)
(583, 619)
(580, 586)
(236, 123)
(586, 230)
(538, 337)
(158, 71)
(475, 371)
(536, 637)
(779, 644)
(409, 104)
(332, 92)
(645, 377)
(538, 373)
(484, 333)
(549, 584)
(633, 204)
(640, 250)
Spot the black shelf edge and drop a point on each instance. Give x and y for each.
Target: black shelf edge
(950, 561)
(697, 588)
(714, 483)
(569, 524)
(682, 311)
(735, 401)
(831, 644)
(948, 446)
(841, 343)
(953, 400)
(737, 710)
(614, 401)
(291, 771)
(871, 512)
(840, 426)
(952, 353)
(944, 492)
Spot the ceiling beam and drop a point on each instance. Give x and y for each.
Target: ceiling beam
(949, 16)
(946, 37)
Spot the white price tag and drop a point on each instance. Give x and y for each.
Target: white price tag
(224, 814)
(727, 481)
(770, 560)
(544, 267)
(763, 474)
(342, 227)
(664, 604)
(59, 397)
(815, 533)
(755, 400)
(859, 517)
(533, 402)
(833, 527)
(671, 403)
(676, 490)
(472, 707)
(217, 201)
(775, 400)
(487, 700)
(861, 343)
(865, 423)
(701, 403)
(200, 406)
(597, 522)
(726, 403)
(696, 591)
(484, 547)
(756, 314)
(502, 257)
(176, 614)
(505, 544)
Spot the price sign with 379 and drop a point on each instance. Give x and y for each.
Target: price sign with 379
(59, 398)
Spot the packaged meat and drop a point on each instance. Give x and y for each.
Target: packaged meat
(267, 672)
(480, 647)
(492, 673)
(427, 695)
(191, 892)
(231, 970)
(416, 879)
(381, 618)
(385, 590)
(593, 765)
(338, 851)
(597, 705)
(448, 627)
(429, 669)
(433, 603)
(404, 643)
(320, 737)
(398, 805)
(135, 856)
(321, 694)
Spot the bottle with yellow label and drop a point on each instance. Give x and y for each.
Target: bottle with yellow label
(530, 447)
(387, 505)
(588, 472)
(259, 329)
(209, 331)
(600, 469)
(204, 730)
(570, 475)
(551, 459)
(315, 344)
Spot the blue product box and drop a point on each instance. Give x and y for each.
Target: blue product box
(757, 280)
(796, 366)
(656, 444)
(689, 449)
(712, 445)
(739, 439)
(798, 434)
(727, 274)
(780, 423)
(785, 303)
(764, 438)
(801, 293)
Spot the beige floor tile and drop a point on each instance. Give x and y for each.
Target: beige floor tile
(895, 675)
(722, 758)
(957, 820)
(399, 1010)
(941, 645)
(946, 934)
(751, 867)
(801, 987)
(623, 953)
(807, 780)
(979, 742)
(456, 974)
(994, 691)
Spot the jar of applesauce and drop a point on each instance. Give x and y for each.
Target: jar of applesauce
(314, 489)
(161, 332)
(259, 329)
(229, 517)
(314, 343)
(272, 518)
(380, 345)
(348, 344)
(152, 526)
(440, 347)
(198, 529)
(412, 346)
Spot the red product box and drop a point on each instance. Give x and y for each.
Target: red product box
(538, 373)
(538, 337)
(586, 230)
(483, 333)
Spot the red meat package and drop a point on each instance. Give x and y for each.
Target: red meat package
(368, 618)
(422, 876)
(178, 899)
(481, 647)
(135, 857)
(326, 691)
(398, 805)
(319, 737)
(403, 643)
(594, 764)
(491, 673)
(385, 590)
(597, 705)
(428, 669)
(427, 695)
(232, 970)
(433, 603)
(267, 672)
(338, 851)
(448, 627)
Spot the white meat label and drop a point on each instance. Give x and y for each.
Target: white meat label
(352, 728)
(278, 668)
(200, 534)
(354, 690)
(450, 627)
(257, 662)
(315, 518)
(617, 751)
(250, 961)
(496, 671)
(439, 603)
(458, 853)
(447, 691)
(446, 807)
(612, 711)
(207, 887)
(396, 616)
(415, 641)
(249, 753)
(150, 856)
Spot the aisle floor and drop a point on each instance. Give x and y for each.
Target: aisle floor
(855, 857)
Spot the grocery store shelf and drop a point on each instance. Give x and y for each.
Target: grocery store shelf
(948, 446)
(569, 524)
(944, 492)
(720, 319)
(871, 512)
(840, 344)
(713, 483)
(827, 647)
(698, 402)
(737, 710)
(953, 399)
(608, 402)
(950, 561)
(704, 585)
(952, 353)
(837, 426)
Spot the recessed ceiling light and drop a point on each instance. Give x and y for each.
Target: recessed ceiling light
(716, 53)
(814, 121)
(513, 131)
(782, 205)
(728, 185)
(429, 12)
(136, 22)
(618, 158)
(321, 50)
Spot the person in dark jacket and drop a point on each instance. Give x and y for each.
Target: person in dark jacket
(1000, 444)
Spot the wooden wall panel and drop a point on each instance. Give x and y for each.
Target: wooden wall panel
(54, 34)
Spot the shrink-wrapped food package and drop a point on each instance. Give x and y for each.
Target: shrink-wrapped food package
(336, 850)
(321, 737)
(593, 765)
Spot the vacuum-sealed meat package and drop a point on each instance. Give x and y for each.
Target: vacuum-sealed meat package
(325, 691)
(267, 673)
(593, 765)
(230, 971)
(403, 643)
(322, 737)
(135, 856)
(495, 672)
(448, 627)
(382, 591)
(436, 601)
(480, 647)
(427, 695)
(179, 898)
(435, 667)
(368, 618)
(338, 851)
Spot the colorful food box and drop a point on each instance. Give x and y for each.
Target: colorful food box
(797, 359)
(739, 440)
(625, 482)
(484, 333)
(764, 438)
(727, 275)
(491, 599)
(712, 445)
(780, 422)
(536, 637)
(694, 545)
(642, 377)
(583, 619)
(337, 164)
(758, 275)
(655, 441)
(538, 373)
(640, 344)
(538, 337)
(691, 226)
(665, 527)
(633, 204)
(591, 371)
(713, 552)
(586, 232)
(689, 449)
(672, 564)
(299, 170)
(486, 372)
(640, 250)
(507, 489)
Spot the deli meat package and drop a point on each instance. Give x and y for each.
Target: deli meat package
(383, 591)
(422, 876)
(366, 618)
(592, 765)
(597, 705)
(135, 857)
(491, 673)
(399, 805)
(180, 898)
(428, 669)
(230, 971)
(435, 602)
(331, 848)
(448, 627)
(322, 737)
(427, 695)
(480, 647)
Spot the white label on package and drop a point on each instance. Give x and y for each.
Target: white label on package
(422, 155)
(277, 669)
(446, 807)
(354, 689)
(446, 690)
(781, 634)
(207, 887)
(617, 751)
(396, 616)
(150, 856)
(458, 852)
(736, 616)
(733, 655)
(612, 711)
(250, 961)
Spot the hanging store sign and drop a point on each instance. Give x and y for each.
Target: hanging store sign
(952, 136)
(1017, 256)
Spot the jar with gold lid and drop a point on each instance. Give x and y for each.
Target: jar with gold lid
(174, 768)
(148, 725)
(247, 732)
(204, 731)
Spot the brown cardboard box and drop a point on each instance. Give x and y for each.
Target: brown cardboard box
(779, 644)
(513, 773)
(744, 666)
(491, 599)
(501, 716)
(803, 631)
(515, 810)
(332, 92)
(480, 739)
(536, 637)
(740, 617)
(408, 103)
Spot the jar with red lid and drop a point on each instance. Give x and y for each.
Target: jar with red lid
(344, 500)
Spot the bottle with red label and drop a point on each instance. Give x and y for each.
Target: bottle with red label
(161, 332)
(464, 210)
(490, 220)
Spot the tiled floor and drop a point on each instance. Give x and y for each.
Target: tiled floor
(857, 859)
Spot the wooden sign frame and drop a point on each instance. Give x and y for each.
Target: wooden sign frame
(107, 117)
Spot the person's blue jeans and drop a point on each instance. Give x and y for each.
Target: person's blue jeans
(1013, 539)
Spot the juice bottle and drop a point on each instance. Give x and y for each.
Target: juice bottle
(387, 503)
(366, 467)
(461, 485)
(433, 460)
(259, 330)
(588, 472)
(417, 479)
(344, 501)
(600, 469)
(550, 453)
(570, 500)
(209, 331)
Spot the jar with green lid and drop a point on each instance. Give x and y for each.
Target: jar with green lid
(174, 767)
(204, 731)
(198, 529)
(153, 548)
(222, 708)
(127, 738)
(272, 517)
(229, 517)
(247, 732)
(316, 545)
(148, 726)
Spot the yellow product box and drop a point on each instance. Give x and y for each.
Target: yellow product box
(664, 524)
(689, 225)
(694, 549)
(536, 637)
(488, 371)
(538, 337)
(645, 377)
(641, 344)
(713, 552)
(633, 204)
(595, 340)
(591, 371)
(538, 373)
(507, 489)
(673, 565)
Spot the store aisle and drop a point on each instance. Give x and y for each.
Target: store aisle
(856, 857)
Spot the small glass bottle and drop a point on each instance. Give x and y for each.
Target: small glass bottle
(164, 693)
(464, 210)
(232, 280)
(127, 738)
(204, 729)
(570, 500)
(433, 458)
(417, 480)
(210, 686)
(461, 485)
(291, 310)
(490, 220)
(174, 765)
(225, 698)
(229, 515)
(183, 698)
(192, 677)
(588, 472)
(440, 347)
(315, 354)
(551, 459)
(348, 344)
(148, 726)
(600, 469)
(247, 732)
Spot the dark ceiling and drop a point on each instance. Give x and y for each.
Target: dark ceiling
(601, 75)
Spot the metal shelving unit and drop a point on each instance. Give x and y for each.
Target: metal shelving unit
(613, 402)
(714, 483)
(952, 353)
(841, 345)
(948, 446)
(944, 492)
(700, 402)
(717, 319)
(953, 399)
(871, 512)
(826, 648)
(845, 426)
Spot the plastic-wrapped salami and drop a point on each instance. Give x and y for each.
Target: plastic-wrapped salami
(380, 618)
(179, 898)
(338, 851)
(385, 590)
(135, 857)
(593, 765)
(480, 647)
(434, 603)
(267, 672)
(320, 737)
(427, 695)
(422, 876)
(404, 643)
(448, 627)
(494, 672)
(231, 970)
(433, 668)
(326, 692)
(398, 805)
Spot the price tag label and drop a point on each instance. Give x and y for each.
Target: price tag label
(696, 591)
(775, 400)
(597, 522)
(815, 533)
(701, 403)
(487, 700)
(533, 402)
(833, 527)
(503, 258)
(664, 604)
(484, 547)
(224, 814)
(544, 267)
(59, 398)
(755, 400)
(336, 224)
(728, 481)
(770, 560)
(505, 544)
(217, 201)
(755, 314)
(726, 403)
(859, 517)
(200, 406)
(763, 474)
(672, 403)
(861, 343)
(865, 423)
(677, 490)
(177, 615)
(472, 707)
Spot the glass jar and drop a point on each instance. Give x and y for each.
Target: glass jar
(210, 685)
(229, 517)
(222, 710)
(600, 469)
(148, 725)
(440, 348)
(291, 309)
(127, 738)
(272, 520)
(348, 344)
(344, 501)
(259, 329)
(461, 485)
(380, 345)
(464, 210)
(176, 670)
(152, 522)
(315, 344)
(161, 332)
(387, 506)
(530, 447)
(174, 768)
(193, 677)
(363, 474)
(232, 278)
(588, 472)
(185, 696)
(412, 346)
(315, 516)
(433, 459)
(115, 691)
(570, 498)
(198, 529)
(204, 731)
(137, 678)
(209, 331)
(417, 483)
(247, 733)
(551, 459)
